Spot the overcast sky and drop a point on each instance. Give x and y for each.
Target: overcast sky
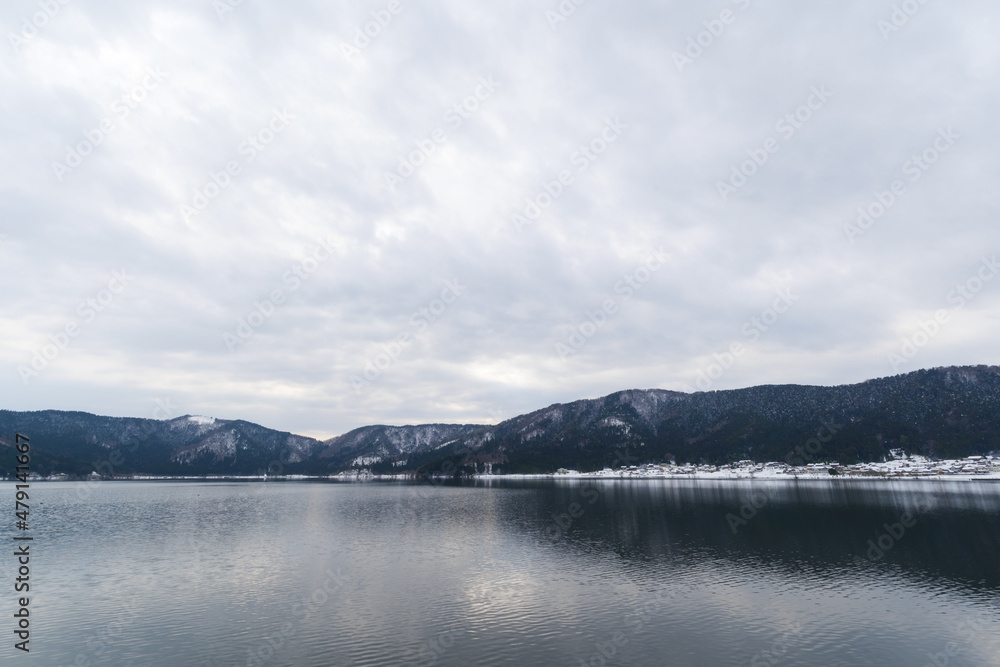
(438, 204)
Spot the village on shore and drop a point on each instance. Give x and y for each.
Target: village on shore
(900, 466)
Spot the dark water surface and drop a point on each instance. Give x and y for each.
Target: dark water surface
(616, 572)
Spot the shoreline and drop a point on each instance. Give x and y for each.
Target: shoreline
(901, 467)
(573, 476)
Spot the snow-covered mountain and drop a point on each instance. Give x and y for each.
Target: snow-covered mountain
(80, 443)
(946, 412)
(370, 445)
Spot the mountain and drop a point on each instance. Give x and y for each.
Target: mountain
(79, 443)
(389, 447)
(943, 412)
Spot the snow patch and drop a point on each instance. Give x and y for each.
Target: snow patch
(198, 419)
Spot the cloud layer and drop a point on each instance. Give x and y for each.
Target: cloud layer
(325, 215)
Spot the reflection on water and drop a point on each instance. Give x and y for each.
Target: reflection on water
(638, 572)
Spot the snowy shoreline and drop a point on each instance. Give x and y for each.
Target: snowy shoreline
(989, 477)
(571, 475)
(900, 467)
(972, 468)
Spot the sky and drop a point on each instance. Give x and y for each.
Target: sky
(322, 215)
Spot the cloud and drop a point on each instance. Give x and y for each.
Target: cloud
(269, 197)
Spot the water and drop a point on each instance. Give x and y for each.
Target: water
(616, 572)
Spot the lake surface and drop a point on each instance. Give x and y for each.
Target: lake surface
(615, 572)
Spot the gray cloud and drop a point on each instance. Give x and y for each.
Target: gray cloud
(493, 351)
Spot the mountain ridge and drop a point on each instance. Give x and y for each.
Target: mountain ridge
(946, 411)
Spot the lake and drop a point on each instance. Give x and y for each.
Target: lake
(490, 572)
